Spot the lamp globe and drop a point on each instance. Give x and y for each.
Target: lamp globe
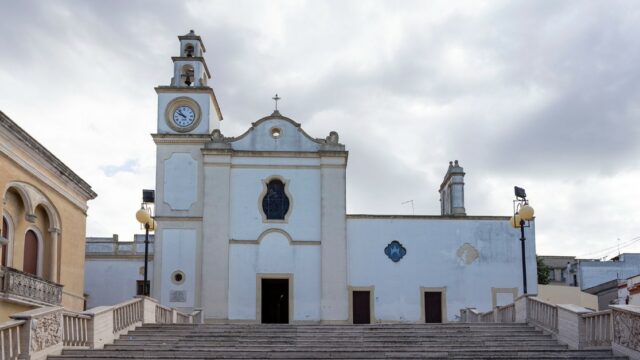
(143, 216)
(526, 212)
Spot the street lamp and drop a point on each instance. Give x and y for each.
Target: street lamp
(522, 214)
(145, 218)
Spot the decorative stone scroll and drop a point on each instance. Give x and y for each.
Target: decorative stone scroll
(46, 331)
(31, 287)
(626, 329)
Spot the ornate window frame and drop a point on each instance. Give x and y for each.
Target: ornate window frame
(266, 181)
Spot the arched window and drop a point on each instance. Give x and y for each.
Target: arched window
(5, 247)
(189, 50)
(187, 75)
(30, 264)
(275, 203)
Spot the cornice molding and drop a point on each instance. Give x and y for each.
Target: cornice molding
(426, 217)
(41, 164)
(193, 58)
(181, 138)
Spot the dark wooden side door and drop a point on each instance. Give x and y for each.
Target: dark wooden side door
(361, 307)
(30, 264)
(433, 307)
(275, 301)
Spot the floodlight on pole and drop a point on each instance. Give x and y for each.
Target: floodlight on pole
(522, 215)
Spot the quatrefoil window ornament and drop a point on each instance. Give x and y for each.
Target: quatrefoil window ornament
(395, 251)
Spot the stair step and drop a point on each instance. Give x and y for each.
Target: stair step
(375, 341)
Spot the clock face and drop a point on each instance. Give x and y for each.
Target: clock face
(184, 116)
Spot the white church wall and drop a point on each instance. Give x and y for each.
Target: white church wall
(275, 255)
(179, 180)
(178, 254)
(302, 178)
(433, 260)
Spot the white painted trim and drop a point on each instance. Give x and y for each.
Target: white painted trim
(10, 237)
(285, 182)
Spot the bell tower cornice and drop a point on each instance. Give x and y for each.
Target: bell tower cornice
(193, 58)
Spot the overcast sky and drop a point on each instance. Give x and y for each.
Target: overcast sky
(540, 94)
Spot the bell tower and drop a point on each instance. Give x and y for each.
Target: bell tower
(188, 113)
(188, 104)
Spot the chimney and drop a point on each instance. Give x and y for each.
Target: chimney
(452, 191)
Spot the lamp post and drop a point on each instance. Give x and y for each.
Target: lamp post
(522, 214)
(145, 219)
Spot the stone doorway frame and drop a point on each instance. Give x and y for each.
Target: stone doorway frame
(274, 276)
(372, 313)
(443, 302)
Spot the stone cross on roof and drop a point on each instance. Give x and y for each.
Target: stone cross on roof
(276, 98)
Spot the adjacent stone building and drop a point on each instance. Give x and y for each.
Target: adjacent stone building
(44, 210)
(123, 261)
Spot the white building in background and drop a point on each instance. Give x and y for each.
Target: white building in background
(254, 227)
(123, 261)
(588, 273)
(631, 292)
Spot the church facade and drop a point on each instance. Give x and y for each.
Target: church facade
(254, 228)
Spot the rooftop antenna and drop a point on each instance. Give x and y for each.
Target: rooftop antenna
(618, 246)
(413, 210)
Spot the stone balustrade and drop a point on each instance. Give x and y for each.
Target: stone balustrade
(10, 339)
(578, 327)
(37, 333)
(626, 330)
(506, 314)
(542, 314)
(29, 287)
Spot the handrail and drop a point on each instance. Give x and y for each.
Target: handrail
(164, 315)
(127, 314)
(90, 329)
(10, 339)
(542, 313)
(75, 329)
(507, 313)
(182, 318)
(598, 328)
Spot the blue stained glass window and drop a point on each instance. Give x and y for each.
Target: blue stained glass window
(275, 203)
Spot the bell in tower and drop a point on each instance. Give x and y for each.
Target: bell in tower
(190, 68)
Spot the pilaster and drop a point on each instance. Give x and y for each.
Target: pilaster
(215, 235)
(335, 299)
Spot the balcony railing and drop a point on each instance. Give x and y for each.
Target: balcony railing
(29, 287)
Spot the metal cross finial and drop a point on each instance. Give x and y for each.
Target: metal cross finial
(276, 98)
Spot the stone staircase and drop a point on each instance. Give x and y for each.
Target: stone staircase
(424, 341)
